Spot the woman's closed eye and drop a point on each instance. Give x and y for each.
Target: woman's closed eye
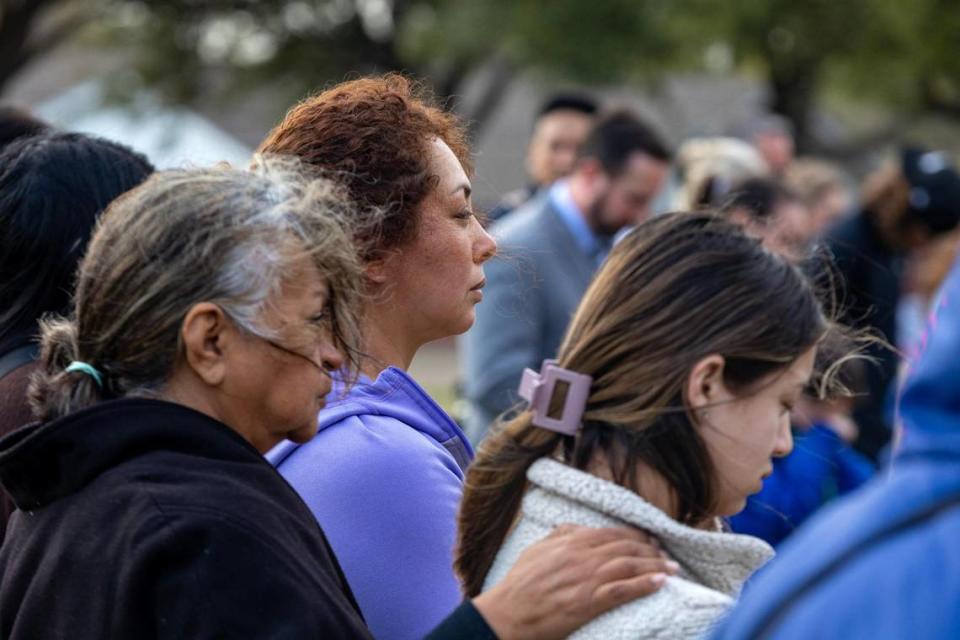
(321, 320)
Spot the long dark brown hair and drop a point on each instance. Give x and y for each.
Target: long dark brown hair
(678, 288)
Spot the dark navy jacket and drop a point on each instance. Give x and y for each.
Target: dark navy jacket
(145, 519)
(885, 562)
(870, 290)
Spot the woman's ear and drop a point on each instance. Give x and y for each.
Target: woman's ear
(376, 269)
(206, 334)
(595, 176)
(705, 384)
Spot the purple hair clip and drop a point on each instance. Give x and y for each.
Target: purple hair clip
(557, 397)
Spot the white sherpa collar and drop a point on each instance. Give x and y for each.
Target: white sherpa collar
(718, 560)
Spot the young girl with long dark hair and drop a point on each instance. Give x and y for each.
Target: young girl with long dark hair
(671, 394)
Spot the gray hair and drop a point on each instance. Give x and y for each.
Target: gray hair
(220, 235)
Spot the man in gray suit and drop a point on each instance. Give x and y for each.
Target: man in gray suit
(549, 251)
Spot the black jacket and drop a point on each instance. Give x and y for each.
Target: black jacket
(17, 363)
(146, 519)
(870, 291)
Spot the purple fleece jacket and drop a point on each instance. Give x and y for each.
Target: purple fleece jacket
(384, 477)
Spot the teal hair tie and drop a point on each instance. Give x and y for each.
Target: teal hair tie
(83, 367)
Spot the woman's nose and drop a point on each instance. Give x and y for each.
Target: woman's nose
(485, 247)
(330, 357)
(784, 444)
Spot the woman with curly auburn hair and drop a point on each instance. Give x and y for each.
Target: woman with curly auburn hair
(387, 142)
(384, 474)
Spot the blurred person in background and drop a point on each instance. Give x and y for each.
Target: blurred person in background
(924, 271)
(824, 190)
(772, 135)
(384, 474)
(709, 168)
(561, 126)
(53, 187)
(822, 466)
(16, 123)
(766, 209)
(905, 205)
(549, 251)
(211, 309)
(665, 408)
(882, 563)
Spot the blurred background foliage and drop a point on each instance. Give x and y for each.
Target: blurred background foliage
(902, 55)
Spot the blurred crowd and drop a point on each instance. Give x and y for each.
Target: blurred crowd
(671, 360)
(879, 250)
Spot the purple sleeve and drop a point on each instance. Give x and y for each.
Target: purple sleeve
(386, 496)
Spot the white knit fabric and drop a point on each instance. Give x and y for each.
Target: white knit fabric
(714, 564)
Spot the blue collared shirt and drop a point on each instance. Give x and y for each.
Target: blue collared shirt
(597, 247)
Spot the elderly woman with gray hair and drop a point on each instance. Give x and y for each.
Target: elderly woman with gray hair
(210, 308)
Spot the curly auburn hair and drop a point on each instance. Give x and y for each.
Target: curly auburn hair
(374, 132)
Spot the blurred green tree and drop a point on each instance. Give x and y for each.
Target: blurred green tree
(901, 53)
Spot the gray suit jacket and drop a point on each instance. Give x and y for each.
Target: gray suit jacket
(533, 288)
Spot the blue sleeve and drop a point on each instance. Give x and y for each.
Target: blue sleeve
(387, 498)
(900, 586)
(792, 493)
(820, 467)
(853, 469)
(847, 469)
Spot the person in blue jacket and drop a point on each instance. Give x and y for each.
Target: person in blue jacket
(822, 466)
(885, 562)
